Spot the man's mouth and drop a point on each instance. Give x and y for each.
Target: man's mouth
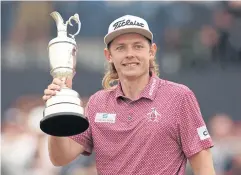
(130, 64)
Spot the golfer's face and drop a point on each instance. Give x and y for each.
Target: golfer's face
(130, 55)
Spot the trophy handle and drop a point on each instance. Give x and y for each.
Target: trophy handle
(76, 19)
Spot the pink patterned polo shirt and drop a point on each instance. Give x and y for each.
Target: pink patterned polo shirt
(154, 135)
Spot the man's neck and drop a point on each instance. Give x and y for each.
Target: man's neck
(133, 88)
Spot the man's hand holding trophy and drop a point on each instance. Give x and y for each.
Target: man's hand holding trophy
(63, 114)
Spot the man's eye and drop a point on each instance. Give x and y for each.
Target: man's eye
(138, 46)
(119, 48)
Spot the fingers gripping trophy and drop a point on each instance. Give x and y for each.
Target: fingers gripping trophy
(63, 114)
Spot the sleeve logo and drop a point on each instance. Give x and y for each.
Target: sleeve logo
(203, 133)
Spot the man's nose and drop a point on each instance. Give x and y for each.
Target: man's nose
(129, 53)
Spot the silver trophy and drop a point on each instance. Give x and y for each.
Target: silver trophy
(63, 114)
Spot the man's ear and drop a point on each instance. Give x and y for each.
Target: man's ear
(107, 54)
(153, 51)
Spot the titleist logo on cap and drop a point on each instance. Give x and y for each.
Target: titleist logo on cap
(124, 22)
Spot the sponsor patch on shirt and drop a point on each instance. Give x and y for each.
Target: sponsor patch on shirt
(203, 132)
(105, 117)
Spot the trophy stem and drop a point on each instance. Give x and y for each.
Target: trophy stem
(63, 79)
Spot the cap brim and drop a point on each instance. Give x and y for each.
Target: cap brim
(109, 37)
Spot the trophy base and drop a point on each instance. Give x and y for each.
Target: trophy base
(63, 115)
(64, 124)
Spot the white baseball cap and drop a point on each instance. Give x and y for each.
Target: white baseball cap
(128, 24)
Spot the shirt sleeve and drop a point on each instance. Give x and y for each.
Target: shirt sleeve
(192, 129)
(85, 138)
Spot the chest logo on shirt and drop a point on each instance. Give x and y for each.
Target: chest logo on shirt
(105, 117)
(153, 115)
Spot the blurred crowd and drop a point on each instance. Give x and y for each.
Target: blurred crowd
(188, 34)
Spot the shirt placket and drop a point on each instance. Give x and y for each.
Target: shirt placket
(127, 112)
(130, 118)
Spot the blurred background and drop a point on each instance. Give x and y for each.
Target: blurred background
(199, 45)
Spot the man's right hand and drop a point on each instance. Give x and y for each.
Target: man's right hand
(52, 89)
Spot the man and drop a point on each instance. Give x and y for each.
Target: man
(139, 123)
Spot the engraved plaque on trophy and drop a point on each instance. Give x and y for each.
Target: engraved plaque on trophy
(63, 113)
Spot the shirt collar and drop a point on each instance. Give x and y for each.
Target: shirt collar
(149, 91)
